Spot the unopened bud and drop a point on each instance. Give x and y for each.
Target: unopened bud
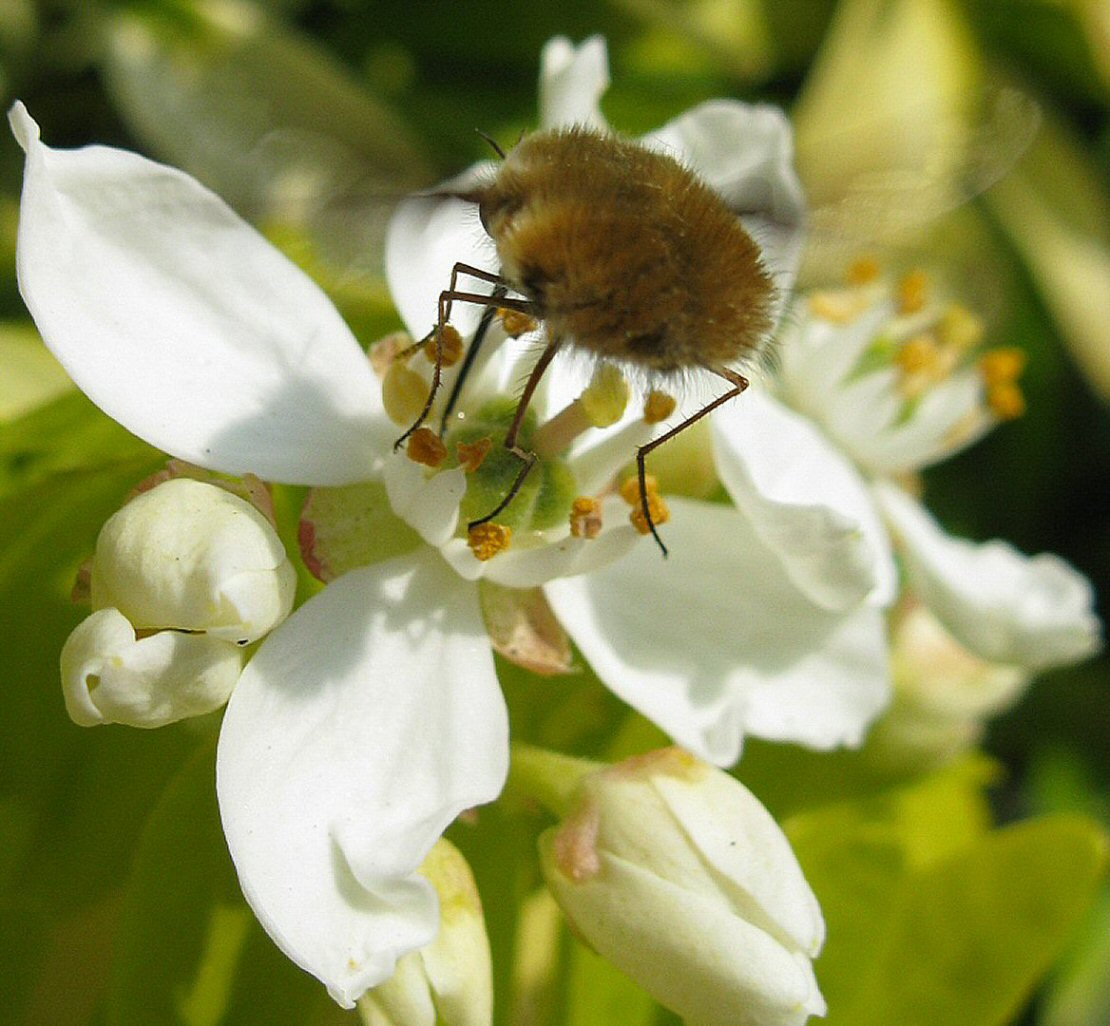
(111, 676)
(449, 982)
(191, 556)
(674, 872)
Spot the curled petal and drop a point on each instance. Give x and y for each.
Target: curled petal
(109, 676)
(718, 642)
(182, 323)
(1035, 612)
(805, 501)
(572, 81)
(362, 727)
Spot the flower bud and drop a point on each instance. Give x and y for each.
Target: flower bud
(674, 872)
(451, 977)
(110, 676)
(192, 556)
(943, 695)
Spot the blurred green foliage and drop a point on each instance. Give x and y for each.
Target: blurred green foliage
(119, 902)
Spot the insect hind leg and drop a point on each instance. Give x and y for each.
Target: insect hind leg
(739, 384)
(526, 456)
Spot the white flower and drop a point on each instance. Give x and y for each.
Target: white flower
(675, 872)
(898, 382)
(372, 716)
(767, 624)
(197, 570)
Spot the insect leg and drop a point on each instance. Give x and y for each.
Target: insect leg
(739, 383)
(527, 457)
(446, 298)
(471, 355)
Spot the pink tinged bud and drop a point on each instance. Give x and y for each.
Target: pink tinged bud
(673, 871)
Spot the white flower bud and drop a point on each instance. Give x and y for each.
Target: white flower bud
(110, 676)
(674, 872)
(449, 981)
(192, 556)
(943, 695)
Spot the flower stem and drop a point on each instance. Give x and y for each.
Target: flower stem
(549, 778)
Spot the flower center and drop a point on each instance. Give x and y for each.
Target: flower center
(924, 341)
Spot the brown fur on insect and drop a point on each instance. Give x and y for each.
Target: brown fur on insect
(626, 253)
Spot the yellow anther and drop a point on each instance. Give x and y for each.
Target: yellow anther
(488, 539)
(660, 514)
(839, 307)
(912, 292)
(1002, 366)
(1006, 400)
(630, 489)
(426, 447)
(658, 406)
(403, 393)
(919, 355)
(451, 342)
(585, 517)
(473, 454)
(605, 397)
(516, 323)
(864, 271)
(960, 328)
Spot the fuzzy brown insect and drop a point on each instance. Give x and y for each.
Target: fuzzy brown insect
(624, 253)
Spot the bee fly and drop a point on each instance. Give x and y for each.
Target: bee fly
(621, 252)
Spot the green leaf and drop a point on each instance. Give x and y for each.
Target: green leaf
(933, 919)
(189, 951)
(67, 434)
(31, 374)
(600, 995)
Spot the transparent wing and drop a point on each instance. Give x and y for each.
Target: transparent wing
(895, 202)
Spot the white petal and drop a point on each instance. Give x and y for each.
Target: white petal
(530, 566)
(716, 642)
(950, 416)
(110, 677)
(427, 236)
(572, 82)
(362, 727)
(816, 355)
(430, 505)
(182, 323)
(748, 853)
(746, 153)
(1036, 612)
(805, 500)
